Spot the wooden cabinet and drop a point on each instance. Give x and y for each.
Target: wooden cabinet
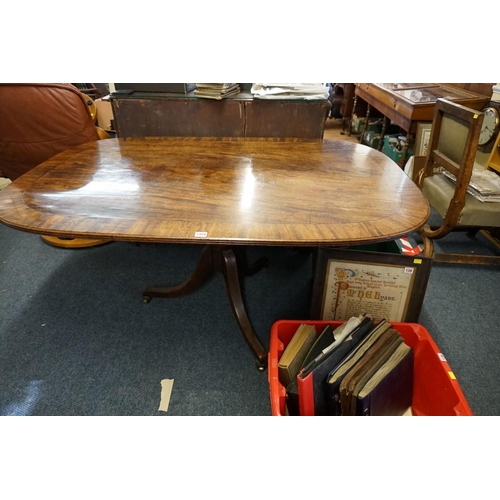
(153, 115)
(408, 105)
(343, 99)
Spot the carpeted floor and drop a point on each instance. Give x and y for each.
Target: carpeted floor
(76, 338)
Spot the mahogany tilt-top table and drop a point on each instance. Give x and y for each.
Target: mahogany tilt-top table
(221, 193)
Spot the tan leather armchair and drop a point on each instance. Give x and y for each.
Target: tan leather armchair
(38, 121)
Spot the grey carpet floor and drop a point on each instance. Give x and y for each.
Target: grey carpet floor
(76, 338)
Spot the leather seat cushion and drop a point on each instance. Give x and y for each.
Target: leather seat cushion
(39, 121)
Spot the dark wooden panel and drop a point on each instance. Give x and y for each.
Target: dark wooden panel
(190, 117)
(479, 88)
(278, 118)
(178, 117)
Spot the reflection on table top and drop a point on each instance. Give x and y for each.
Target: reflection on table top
(189, 190)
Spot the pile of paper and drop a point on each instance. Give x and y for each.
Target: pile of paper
(484, 185)
(216, 90)
(290, 91)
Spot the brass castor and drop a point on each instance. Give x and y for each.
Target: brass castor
(260, 366)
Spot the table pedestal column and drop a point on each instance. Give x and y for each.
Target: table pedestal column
(222, 259)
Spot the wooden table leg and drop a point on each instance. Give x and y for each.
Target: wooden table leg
(203, 269)
(365, 125)
(229, 268)
(349, 126)
(406, 147)
(346, 120)
(221, 259)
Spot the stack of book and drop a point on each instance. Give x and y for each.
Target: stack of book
(216, 90)
(359, 368)
(484, 185)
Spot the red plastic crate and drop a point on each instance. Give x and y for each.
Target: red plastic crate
(435, 388)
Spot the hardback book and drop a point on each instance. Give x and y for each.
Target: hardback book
(340, 334)
(336, 376)
(329, 336)
(324, 341)
(366, 367)
(219, 86)
(295, 352)
(369, 372)
(389, 391)
(311, 380)
(213, 91)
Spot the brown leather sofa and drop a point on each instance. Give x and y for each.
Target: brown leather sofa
(39, 120)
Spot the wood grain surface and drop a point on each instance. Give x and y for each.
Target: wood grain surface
(217, 191)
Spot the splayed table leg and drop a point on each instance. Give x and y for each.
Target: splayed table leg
(222, 259)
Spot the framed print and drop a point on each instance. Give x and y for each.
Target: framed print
(422, 138)
(382, 285)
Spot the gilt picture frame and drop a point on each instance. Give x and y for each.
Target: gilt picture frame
(422, 138)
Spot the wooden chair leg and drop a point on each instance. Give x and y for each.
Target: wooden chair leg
(428, 246)
(454, 258)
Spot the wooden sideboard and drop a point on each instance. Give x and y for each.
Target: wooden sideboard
(185, 115)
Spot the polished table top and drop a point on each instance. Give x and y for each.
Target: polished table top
(213, 191)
